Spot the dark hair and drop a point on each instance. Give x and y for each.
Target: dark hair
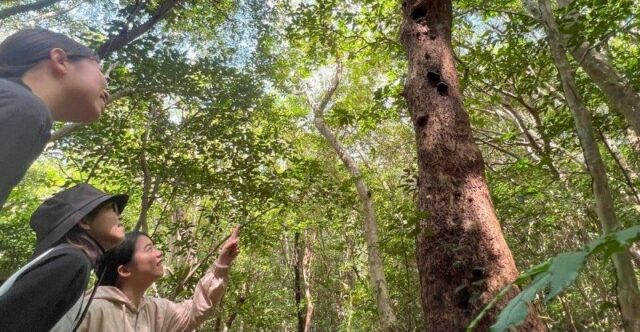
(120, 255)
(26, 48)
(79, 238)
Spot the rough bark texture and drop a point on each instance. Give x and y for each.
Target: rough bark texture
(627, 288)
(463, 259)
(386, 316)
(26, 8)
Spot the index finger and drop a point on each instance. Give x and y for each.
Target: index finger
(236, 231)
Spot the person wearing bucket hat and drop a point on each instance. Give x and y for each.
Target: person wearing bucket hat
(73, 230)
(44, 77)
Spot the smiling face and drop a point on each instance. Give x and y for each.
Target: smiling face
(146, 264)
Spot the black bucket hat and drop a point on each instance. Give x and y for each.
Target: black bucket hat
(58, 214)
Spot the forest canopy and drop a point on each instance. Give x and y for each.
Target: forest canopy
(395, 165)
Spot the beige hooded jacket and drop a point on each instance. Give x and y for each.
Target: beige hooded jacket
(111, 310)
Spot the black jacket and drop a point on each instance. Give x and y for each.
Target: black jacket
(45, 292)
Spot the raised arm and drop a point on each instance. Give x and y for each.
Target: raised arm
(188, 315)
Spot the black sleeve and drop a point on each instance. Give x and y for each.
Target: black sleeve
(45, 292)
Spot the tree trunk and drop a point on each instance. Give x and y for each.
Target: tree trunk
(634, 250)
(618, 91)
(306, 273)
(628, 296)
(298, 283)
(386, 316)
(620, 94)
(26, 8)
(463, 259)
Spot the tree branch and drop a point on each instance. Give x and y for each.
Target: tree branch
(26, 8)
(116, 42)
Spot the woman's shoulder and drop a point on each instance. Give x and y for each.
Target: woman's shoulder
(67, 258)
(18, 100)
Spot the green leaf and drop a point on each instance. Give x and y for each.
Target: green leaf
(516, 311)
(564, 270)
(533, 272)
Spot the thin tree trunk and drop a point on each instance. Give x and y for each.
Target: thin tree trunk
(627, 288)
(386, 316)
(634, 250)
(625, 173)
(234, 314)
(148, 194)
(26, 8)
(306, 272)
(298, 275)
(567, 311)
(463, 259)
(619, 92)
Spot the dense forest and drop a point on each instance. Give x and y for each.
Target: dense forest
(414, 165)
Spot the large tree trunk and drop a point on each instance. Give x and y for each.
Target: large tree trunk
(386, 316)
(463, 259)
(628, 296)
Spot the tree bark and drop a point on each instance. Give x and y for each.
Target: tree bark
(26, 8)
(463, 259)
(148, 193)
(634, 250)
(298, 283)
(306, 273)
(627, 288)
(386, 315)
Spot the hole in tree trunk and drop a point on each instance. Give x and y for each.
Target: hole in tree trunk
(421, 120)
(462, 298)
(419, 13)
(433, 77)
(477, 273)
(443, 89)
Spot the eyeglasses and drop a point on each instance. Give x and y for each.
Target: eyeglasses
(114, 207)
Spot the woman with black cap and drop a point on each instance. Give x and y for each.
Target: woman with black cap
(44, 77)
(73, 229)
